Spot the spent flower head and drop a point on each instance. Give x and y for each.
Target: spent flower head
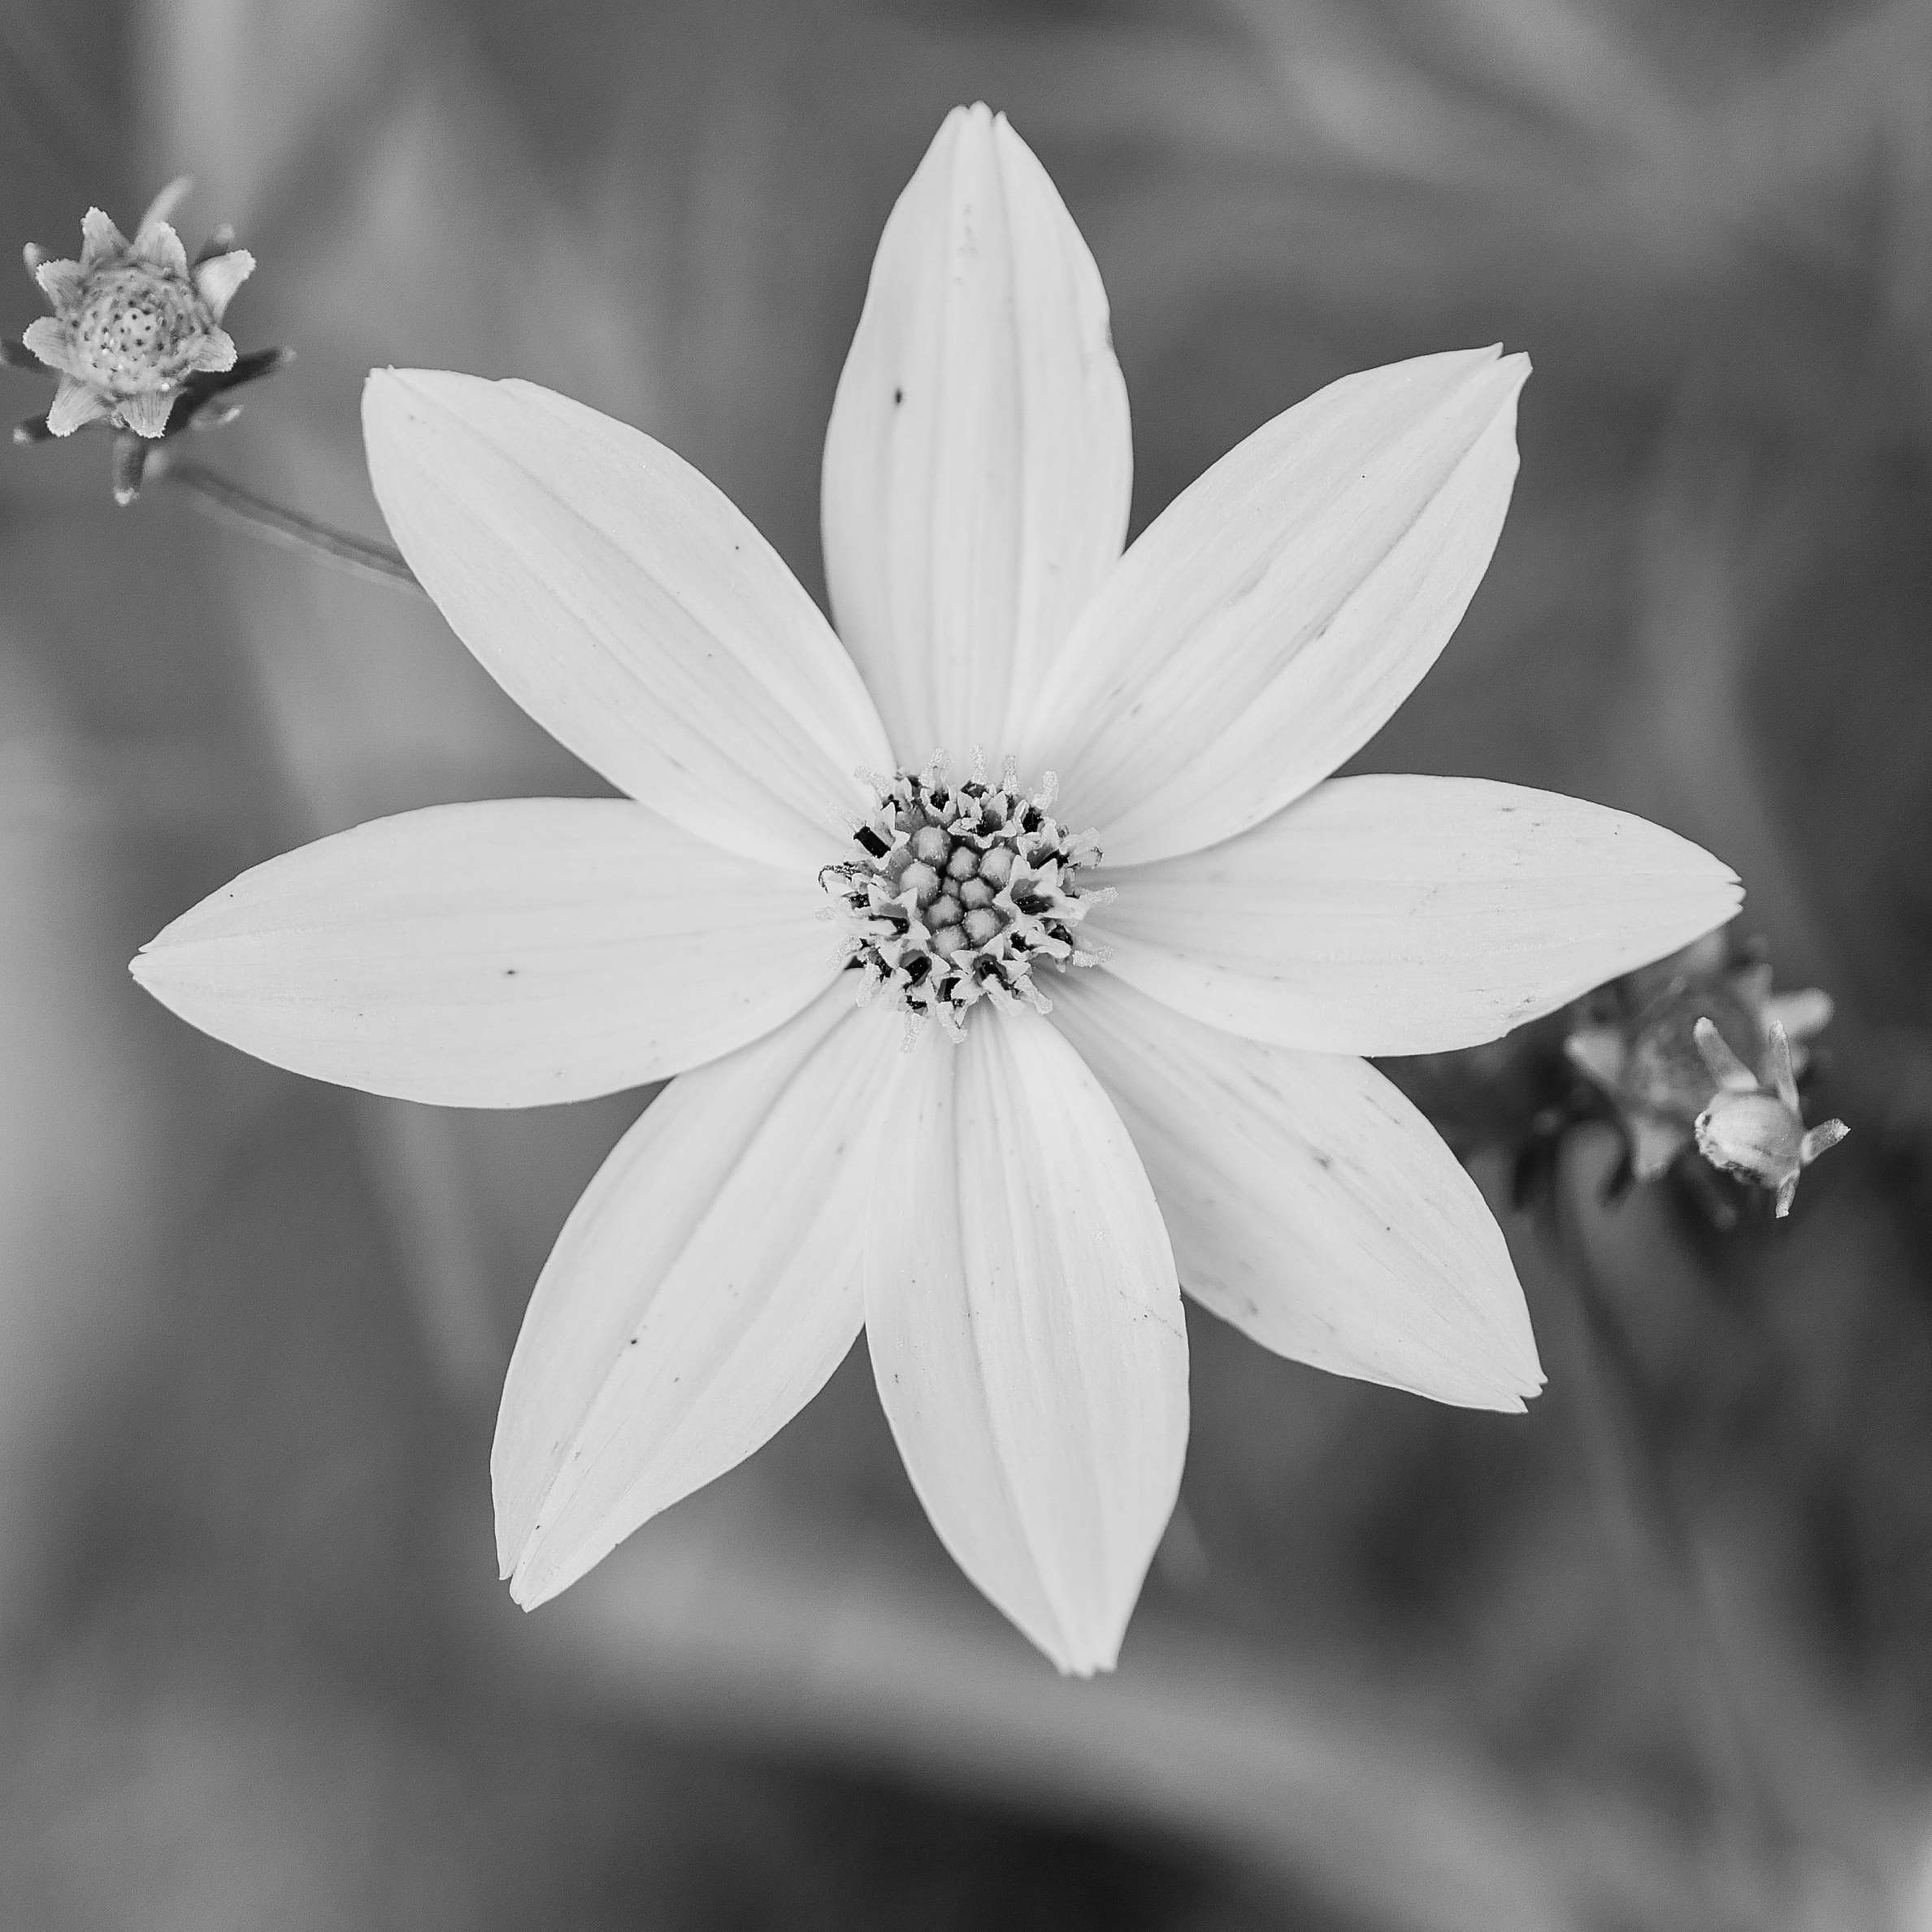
(1753, 1128)
(133, 320)
(1135, 1054)
(1642, 1051)
(135, 336)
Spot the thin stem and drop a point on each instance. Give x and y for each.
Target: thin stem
(1631, 1463)
(261, 518)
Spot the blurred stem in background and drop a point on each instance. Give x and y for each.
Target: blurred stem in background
(1630, 1462)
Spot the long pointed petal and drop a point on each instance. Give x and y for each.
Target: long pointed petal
(1026, 1330)
(625, 604)
(1264, 627)
(1408, 915)
(496, 955)
(1309, 1203)
(703, 1289)
(978, 465)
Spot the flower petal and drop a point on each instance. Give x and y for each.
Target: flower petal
(1265, 625)
(216, 280)
(76, 404)
(625, 604)
(52, 341)
(1407, 915)
(100, 239)
(61, 282)
(147, 413)
(157, 244)
(1026, 1331)
(496, 955)
(1310, 1203)
(978, 465)
(701, 1293)
(217, 354)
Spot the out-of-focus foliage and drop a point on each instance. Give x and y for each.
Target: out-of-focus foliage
(1398, 1667)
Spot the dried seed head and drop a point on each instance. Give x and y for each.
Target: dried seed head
(132, 320)
(135, 335)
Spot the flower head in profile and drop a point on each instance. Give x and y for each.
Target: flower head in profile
(133, 321)
(1099, 872)
(1754, 1128)
(1647, 1058)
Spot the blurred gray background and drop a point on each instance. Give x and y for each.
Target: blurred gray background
(1397, 1667)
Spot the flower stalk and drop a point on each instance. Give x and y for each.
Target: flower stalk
(244, 510)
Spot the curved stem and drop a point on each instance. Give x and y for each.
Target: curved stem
(290, 529)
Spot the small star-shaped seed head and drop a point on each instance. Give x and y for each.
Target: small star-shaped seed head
(133, 320)
(1755, 1132)
(136, 336)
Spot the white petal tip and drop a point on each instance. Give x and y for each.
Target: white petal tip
(148, 968)
(1714, 896)
(1097, 1658)
(544, 1567)
(1507, 1395)
(1503, 1388)
(1084, 1672)
(1503, 1379)
(392, 389)
(1505, 375)
(1080, 1641)
(1506, 369)
(530, 1588)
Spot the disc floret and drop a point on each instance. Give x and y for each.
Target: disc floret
(959, 893)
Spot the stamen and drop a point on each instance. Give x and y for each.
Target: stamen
(953, 895)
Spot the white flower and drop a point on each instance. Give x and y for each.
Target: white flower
(1006, 1206)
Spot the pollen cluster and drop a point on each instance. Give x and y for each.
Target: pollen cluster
(957, 893)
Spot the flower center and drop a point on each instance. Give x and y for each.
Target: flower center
(957, 893)
(138, 329)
